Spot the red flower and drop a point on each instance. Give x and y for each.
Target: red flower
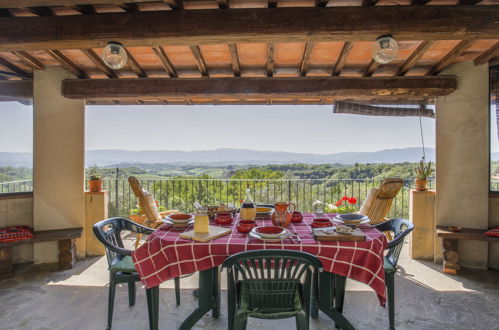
(352, 200)
(344, 198)
(339, 203)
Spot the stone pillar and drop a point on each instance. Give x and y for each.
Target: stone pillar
(58, 161)
(462, 160)
(422, 215)
(95, 211)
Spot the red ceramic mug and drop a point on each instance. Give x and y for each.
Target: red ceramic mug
(296, 217)
(245, 226)
(224, 218)
(321, 223)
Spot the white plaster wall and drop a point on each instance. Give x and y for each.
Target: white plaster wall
(58, 161)
(18, 211)
(462, 158)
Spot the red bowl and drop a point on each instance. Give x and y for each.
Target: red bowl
(223, 218)
(297, 217)
(269, 231)
(321, 223)
(245, 226)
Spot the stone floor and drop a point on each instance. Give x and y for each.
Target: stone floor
(41, 298)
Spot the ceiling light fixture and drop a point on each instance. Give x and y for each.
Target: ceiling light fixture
(385, 49)
(114, 55)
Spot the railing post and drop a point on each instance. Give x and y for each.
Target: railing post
(116, 192)
(289, 190)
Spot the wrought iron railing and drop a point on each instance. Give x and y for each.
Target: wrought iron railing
(181, 193)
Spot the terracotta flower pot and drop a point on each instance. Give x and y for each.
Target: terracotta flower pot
(95, 185)
(137, 218)
(421, 185)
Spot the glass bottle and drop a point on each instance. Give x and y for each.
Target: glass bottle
(248, 208)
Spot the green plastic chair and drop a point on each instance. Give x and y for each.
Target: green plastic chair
(121, 267)
(270, 284)
(400, 229)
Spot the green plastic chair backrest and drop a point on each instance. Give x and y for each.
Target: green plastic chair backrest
(108, 232)
(271, 277)
(400, 229)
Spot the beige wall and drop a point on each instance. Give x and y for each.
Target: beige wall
(95, 211)
(462, 167)
(58, 161)
(18, 211)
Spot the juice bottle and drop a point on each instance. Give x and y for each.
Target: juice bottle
(248, 208)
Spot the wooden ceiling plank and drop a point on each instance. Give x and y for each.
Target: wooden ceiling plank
(236, 67)
(487, 55)
(41, 11)
(67, 63)
(367, 3)
(342, 59)
(12, 67)
(450, 57)
(309, 46)
(223, 4)
(419, 2)
(198, 57)
(84, 9)
(155, 28)
(413, 59)
(30, 60)
(468, 2)
(135, 66)
(129, 7)
(99, 63)
(371, 68)
(165, 61)
(321, 3)
(270, 59)
(254, 88)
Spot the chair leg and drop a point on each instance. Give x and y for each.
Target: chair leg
(153, 307)
(390, 286)
(110, 303)
(137, 240)
(339, 295)
(131, 294)
(302, 321)
(240, 321)
(314, 302)
(177, 290)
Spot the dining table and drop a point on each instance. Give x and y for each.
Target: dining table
(165, 255)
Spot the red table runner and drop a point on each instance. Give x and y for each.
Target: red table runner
(164, 255)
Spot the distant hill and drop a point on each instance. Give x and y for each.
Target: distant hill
(231, 157)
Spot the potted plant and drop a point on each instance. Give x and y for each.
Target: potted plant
(136, 215)
(342, 206)
(95, 181)
(422, 171)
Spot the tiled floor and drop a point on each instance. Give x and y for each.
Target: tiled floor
(38, 298)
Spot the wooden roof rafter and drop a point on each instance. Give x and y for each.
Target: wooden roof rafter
(342, 59)
(198, 57)
(16, 71)
(450, 57)
(99, 63)
(30, 60)
(234, 56)
(413, 59)
(67, 63)
(135, 66)
(165, 62)
(270, 59)
(306, 57)
(488, 54)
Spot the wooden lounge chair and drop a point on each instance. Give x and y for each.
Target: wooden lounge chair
(379, 200)
(148, 206)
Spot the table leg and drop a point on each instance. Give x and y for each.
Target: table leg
(153, 307)
(209, 297)
(332, 292)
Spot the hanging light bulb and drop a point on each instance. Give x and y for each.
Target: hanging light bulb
(385, 49)
(114, 55)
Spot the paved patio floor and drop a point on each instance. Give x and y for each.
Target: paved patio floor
(38, 297)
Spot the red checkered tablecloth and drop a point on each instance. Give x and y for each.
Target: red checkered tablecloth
(165, 255)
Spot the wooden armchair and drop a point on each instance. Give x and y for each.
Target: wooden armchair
(379, 200)
(148, 206)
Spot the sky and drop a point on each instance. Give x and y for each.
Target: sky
(292, 128)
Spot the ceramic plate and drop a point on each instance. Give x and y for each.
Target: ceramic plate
(268, 236)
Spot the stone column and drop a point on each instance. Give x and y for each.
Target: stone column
(58, 161)
(462, 166)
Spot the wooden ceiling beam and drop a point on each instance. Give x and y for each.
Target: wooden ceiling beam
(165, 61)
(41, 11)
(135, 66)
(342, 59)
(450, 57)
(219, 88)
(157, 28)
(223, 4)
(270, 59)
(30, 60)
(198, 57)
(20, 73)
(50, 3)
(174, 4)
(419, 2)
(236, 67)
(468, 2)
(16, 89)
(306, 56)
(84, 9)
(413, 59)
(487, 55)
(321, 3)
(371, 68)
(67, 63)
(99, 63)
(367, 3)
